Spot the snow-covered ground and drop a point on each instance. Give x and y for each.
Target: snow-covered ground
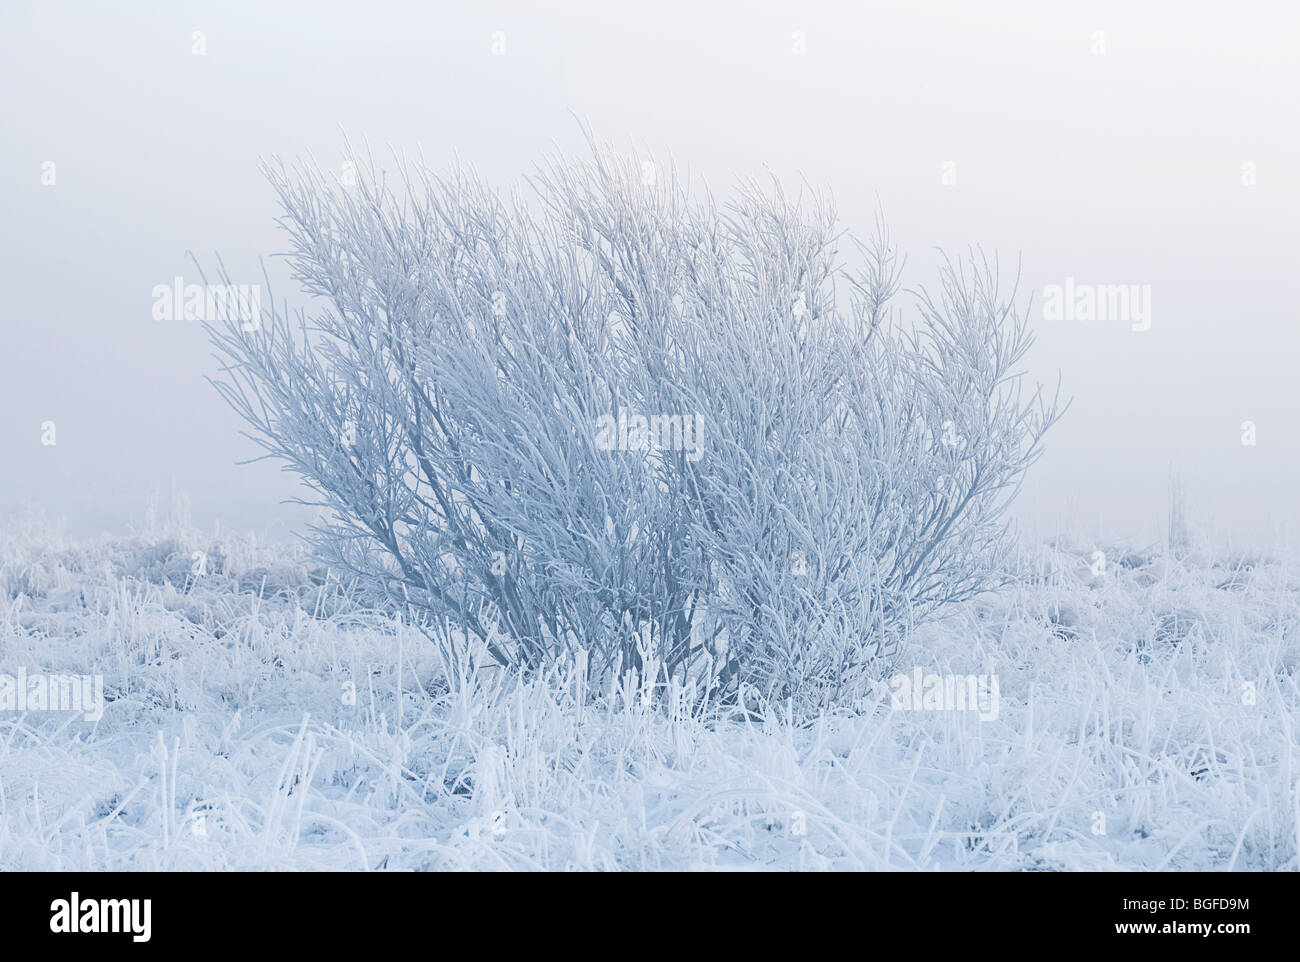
(1146, 719)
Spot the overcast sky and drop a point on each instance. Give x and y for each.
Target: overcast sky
(1105, 144)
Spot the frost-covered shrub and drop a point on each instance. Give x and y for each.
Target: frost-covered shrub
(611, 416)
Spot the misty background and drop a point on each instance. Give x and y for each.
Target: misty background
(1107, 144)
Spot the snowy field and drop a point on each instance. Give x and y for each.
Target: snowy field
(255, 717)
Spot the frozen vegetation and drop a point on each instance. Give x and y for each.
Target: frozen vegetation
(257, 716)
(614, 419)
(789, 629)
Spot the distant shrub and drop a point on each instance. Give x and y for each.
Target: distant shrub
(613, 416)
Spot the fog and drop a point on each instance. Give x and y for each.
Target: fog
(1100, 146)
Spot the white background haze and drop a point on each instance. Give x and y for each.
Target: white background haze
(1119, 168)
